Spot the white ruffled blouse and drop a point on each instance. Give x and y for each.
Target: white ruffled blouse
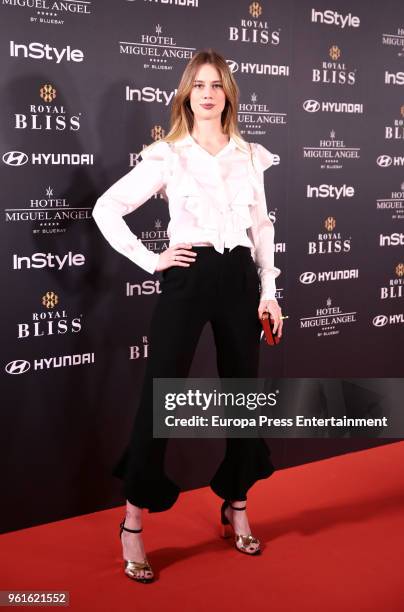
(212, 199)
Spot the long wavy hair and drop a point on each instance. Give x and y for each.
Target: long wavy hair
(182, 117)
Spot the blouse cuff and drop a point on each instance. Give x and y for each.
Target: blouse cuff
(268, 286)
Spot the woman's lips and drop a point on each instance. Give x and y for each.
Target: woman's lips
(207, 105)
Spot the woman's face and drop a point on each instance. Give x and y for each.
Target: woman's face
(207, 97)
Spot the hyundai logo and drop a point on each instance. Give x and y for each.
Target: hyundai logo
(18, 366)
(307, 277)
(311, 106)
(380, 320)
(15, 158)
(384, 161)
(232, 65)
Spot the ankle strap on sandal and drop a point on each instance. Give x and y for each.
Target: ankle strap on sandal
(131, 530)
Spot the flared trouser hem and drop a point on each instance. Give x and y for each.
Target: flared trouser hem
(192, 297)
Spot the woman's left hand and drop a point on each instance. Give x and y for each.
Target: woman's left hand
(275, 313)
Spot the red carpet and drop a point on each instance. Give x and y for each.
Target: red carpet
(332, 534)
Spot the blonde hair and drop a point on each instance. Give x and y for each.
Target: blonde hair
(182, 117)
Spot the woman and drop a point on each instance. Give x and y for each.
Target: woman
(213, 181)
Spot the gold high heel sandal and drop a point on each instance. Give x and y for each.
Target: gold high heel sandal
(241, 542)
(132, 568)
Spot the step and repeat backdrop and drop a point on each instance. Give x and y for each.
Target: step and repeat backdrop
(85, 86)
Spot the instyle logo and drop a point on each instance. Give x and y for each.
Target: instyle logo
(330, 17)
(148, 287)
(149, 94)
(395, 239)
(37, 50)
(393, 78)
(48, 260)
(330, 191)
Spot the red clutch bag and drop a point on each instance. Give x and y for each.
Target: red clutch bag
(268, 327)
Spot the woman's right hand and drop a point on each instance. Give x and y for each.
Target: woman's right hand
(177, 255)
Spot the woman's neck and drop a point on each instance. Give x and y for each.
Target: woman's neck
(209, 132)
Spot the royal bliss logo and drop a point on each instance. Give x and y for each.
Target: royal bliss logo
(50, 321)
(330, 241)
(255, 29)
(333, 71)
(139, 351)
(47, 116)
(395, 286)
(157, 132)
(395, 131)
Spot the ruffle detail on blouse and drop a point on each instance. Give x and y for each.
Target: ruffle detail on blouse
(160, 152)
(262, 157)
(210, 213)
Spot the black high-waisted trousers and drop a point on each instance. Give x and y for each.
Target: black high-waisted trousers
(222, 289)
